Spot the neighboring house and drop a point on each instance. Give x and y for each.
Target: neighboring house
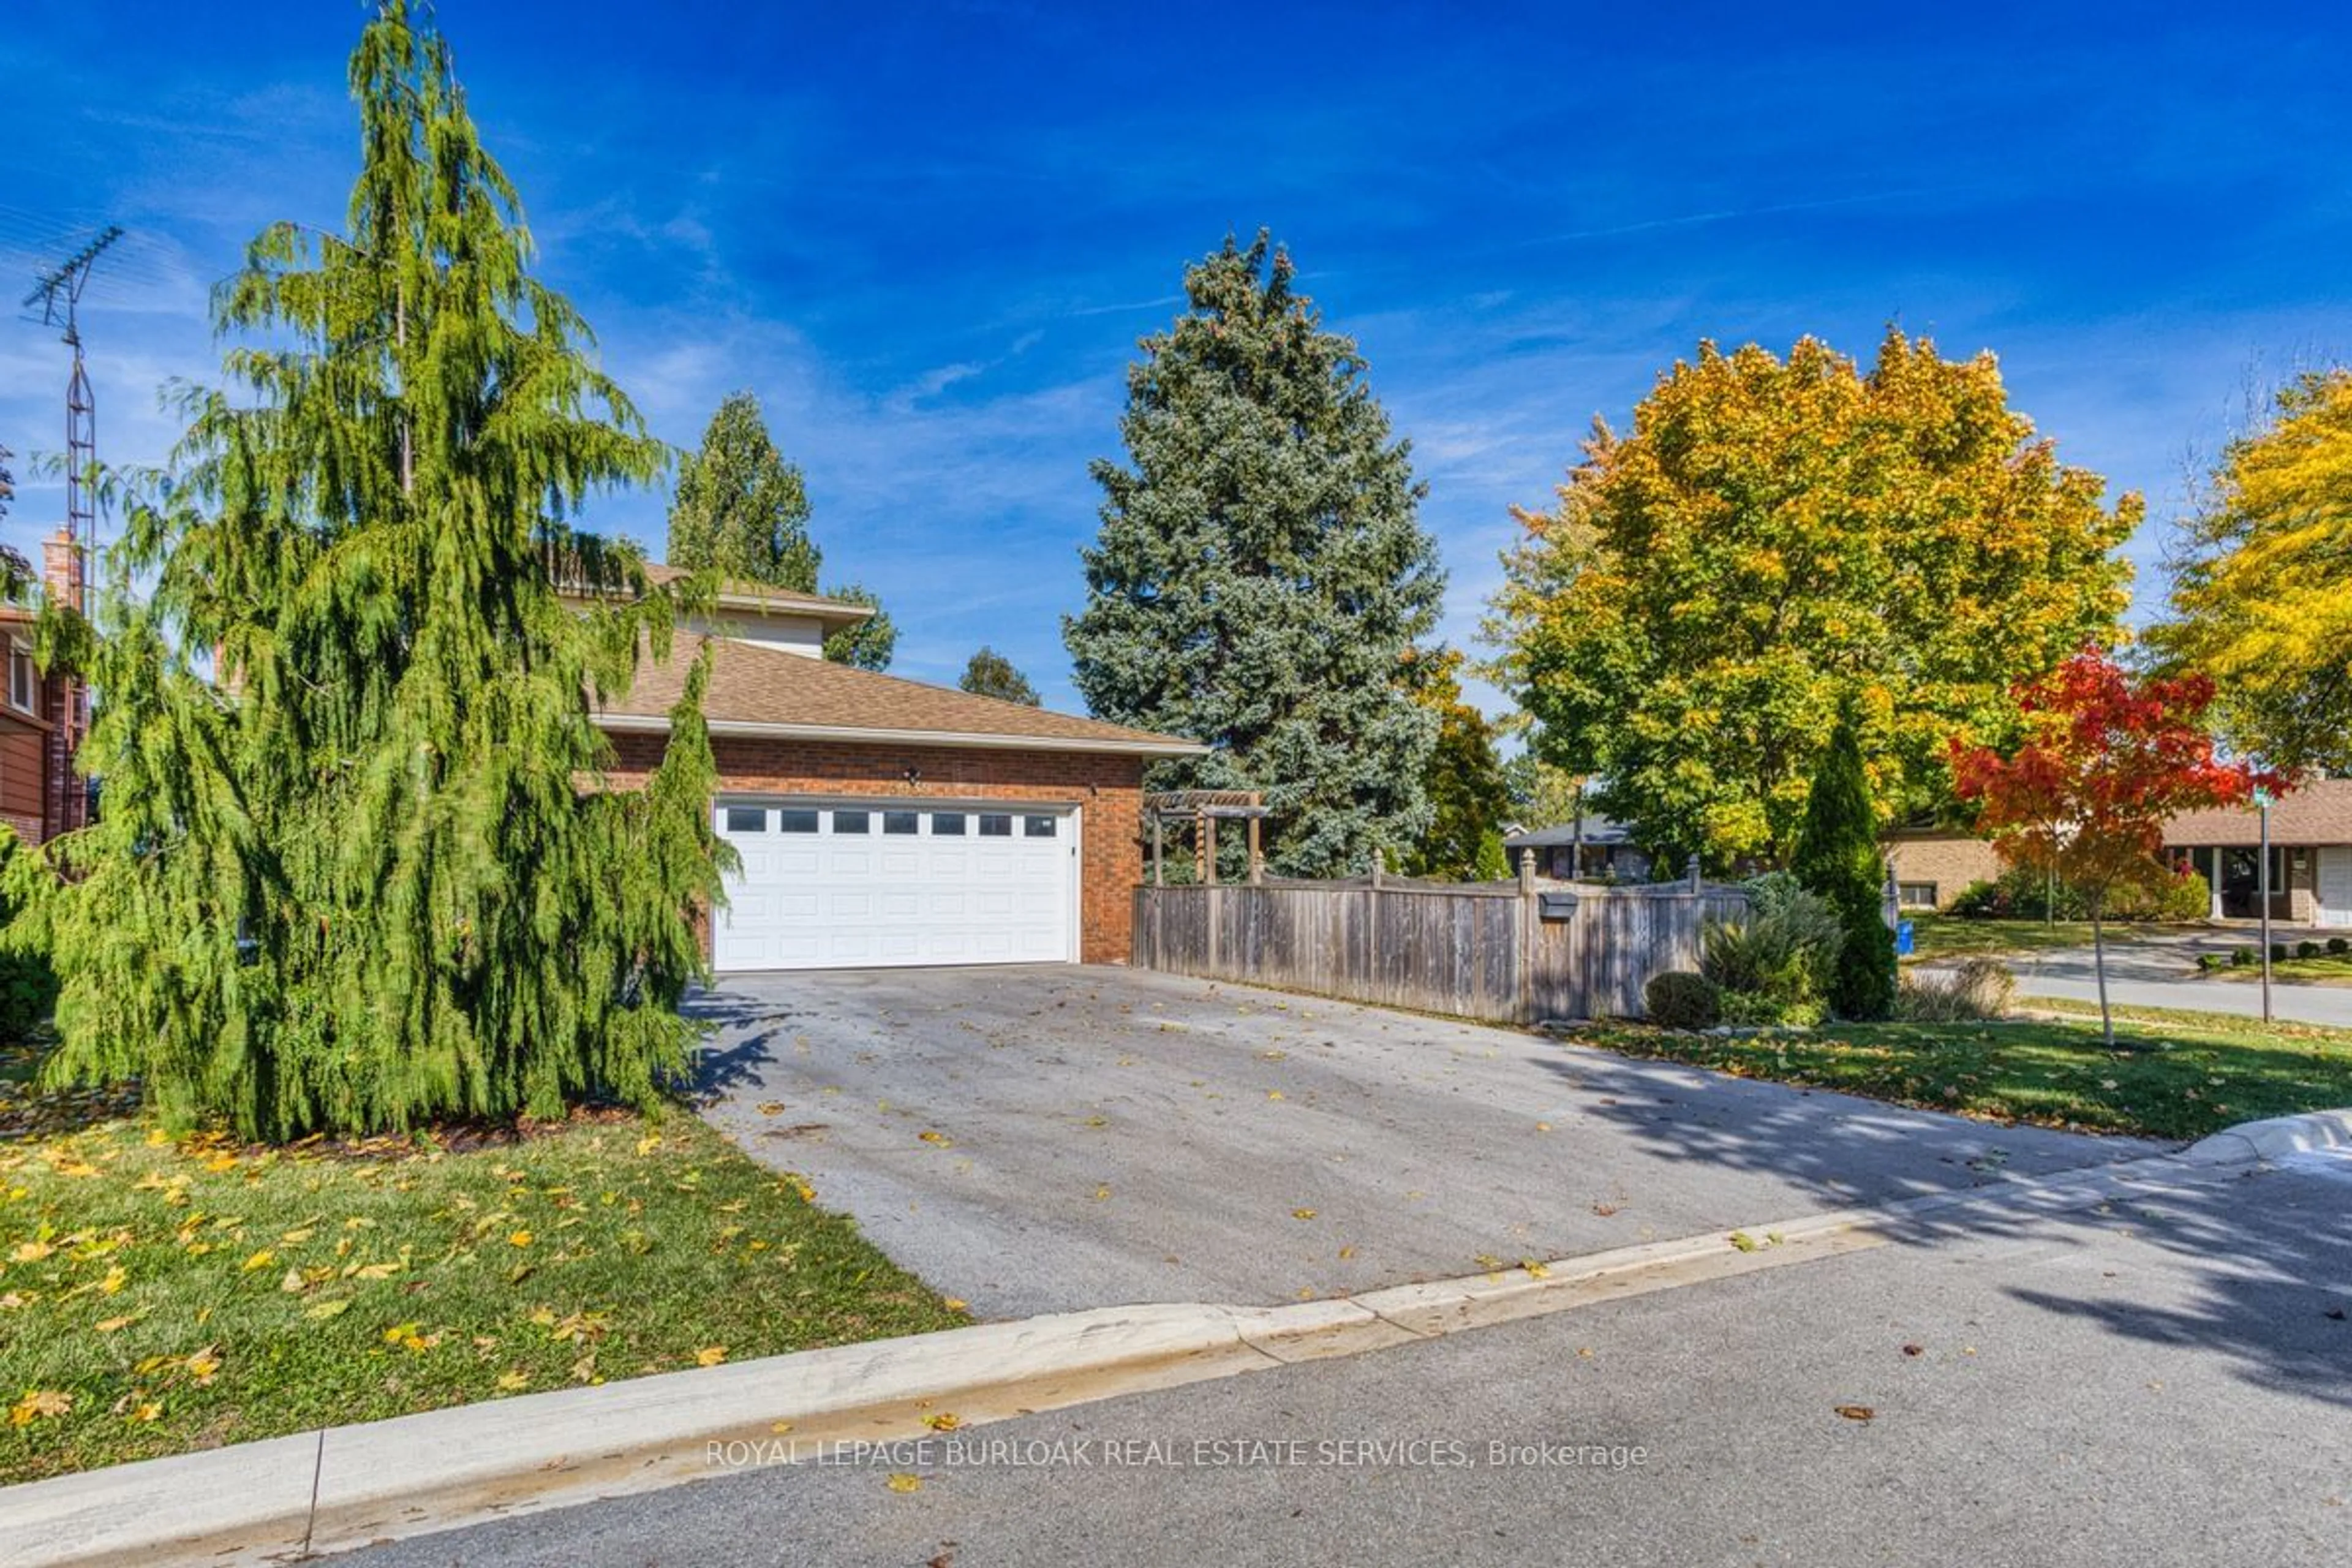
(42, 716)
(1933, 865)
(883, 821)
(2311, 855)
(1595, 850)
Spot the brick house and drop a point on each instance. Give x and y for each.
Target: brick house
(42, 716)
(883, 821)
(1933, 866)
(2311, 855)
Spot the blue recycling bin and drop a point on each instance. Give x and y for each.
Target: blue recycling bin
(1903, 939)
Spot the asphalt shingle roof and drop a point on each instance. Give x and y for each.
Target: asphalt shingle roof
(2318, 812)
(751, 684)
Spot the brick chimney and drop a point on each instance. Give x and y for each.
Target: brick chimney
(62, 568)
(65, 797)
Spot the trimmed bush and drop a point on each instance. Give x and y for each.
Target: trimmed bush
(2186, 897)
(1681, 1000)
(2338, 946)
(2308, 950)
(2243, 957)
(1978, 901)
(2278, 952)
(2209, 962)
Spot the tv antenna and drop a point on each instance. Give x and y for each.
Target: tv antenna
(58, 294)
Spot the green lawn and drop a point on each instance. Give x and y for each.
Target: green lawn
(1947, 936)
(159, 1296)
(2180, 1076)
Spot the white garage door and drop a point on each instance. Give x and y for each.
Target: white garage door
(845, 887)
(2335, 885)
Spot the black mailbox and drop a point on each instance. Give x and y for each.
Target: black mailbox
(1556, 906)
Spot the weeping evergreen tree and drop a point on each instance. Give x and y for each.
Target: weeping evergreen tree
(357, 869)
(1261, 577)
(1839, 858)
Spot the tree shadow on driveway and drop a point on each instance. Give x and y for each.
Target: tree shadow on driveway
(2271, 1248)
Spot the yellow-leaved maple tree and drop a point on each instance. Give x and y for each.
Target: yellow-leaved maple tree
(2262, 595)
(1776, 536)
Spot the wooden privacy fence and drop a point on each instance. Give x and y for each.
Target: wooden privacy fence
(1516, 952)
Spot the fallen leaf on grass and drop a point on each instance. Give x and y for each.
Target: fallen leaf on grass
(39, 1403)
(519, 1239)
(508, 1381)
(954, 1303)
(710, 1355)
(318, 1311)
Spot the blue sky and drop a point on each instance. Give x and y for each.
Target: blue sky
(928, 235)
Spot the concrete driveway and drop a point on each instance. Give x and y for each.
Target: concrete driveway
(1048, 1139)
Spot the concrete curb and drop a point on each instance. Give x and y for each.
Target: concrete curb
(352, 1486)
(2275, 1139)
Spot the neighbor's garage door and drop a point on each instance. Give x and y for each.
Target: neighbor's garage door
(840, 886)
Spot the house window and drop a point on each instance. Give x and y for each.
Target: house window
(852, 821)
(947, 825)
(1915, 895)
(994, 825)
(1037, 826)
(24, 685)
(747, 819)
(795, 821)
(899, 822)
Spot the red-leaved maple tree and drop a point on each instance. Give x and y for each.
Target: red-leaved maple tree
(2105, 760)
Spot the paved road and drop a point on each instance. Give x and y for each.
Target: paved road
(1040, 1140)
(2168, 1381)
(2162, 972)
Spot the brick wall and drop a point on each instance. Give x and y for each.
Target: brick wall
(1951, 860)
(1106, 789)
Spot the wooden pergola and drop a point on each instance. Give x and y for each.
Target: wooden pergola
(1204, 809)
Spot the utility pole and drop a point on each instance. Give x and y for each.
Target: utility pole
(2262, 883)
(58, 294)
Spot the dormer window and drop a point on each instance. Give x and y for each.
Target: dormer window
(24, 681)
